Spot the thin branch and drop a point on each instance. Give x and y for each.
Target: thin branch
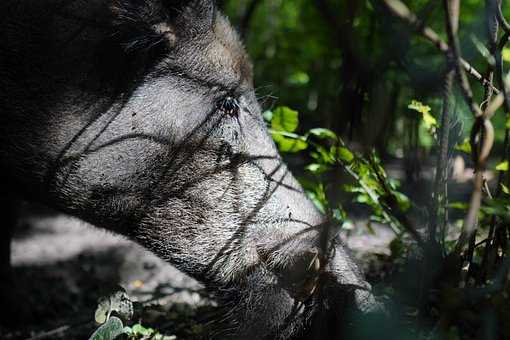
(393, 208)
(390, 211)
(400, 10)
(501, 18)
(492, 239)
(451, 9)
(440, 183)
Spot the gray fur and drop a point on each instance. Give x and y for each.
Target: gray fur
(109, 112)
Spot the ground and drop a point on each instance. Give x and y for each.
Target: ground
(64, 265)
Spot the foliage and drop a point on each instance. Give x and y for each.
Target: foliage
(371, 186)
(116, 309)
(327, 151)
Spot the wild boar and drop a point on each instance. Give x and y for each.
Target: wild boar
(140, 117)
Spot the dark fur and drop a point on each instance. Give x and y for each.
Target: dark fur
(110, 112)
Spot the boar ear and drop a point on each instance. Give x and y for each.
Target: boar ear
(190, 17)
(144, 31)
(155, 20)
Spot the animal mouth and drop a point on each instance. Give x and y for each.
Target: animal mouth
(300, 277)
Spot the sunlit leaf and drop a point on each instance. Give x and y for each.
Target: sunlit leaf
(286, 144)
(138, 329)
(284, 119)
(326, 156)
(403, 201)
(344, 154)
(428, 118)
(458, 205)
(465, 146)
(505, 189)
(299, 78)
(419, 106)
(503, 166)
(323, 133)
(352, 188)
(506, 54)
(316, 201)
(316, 169)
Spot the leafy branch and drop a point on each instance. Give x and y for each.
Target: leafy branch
(372, 185)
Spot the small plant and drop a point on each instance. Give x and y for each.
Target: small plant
(113, 312)
(371, 185)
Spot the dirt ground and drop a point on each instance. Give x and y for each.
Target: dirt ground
(64, 265)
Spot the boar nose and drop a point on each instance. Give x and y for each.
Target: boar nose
(298, 273)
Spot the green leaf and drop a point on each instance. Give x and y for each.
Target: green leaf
(286, 144)
(316, 201)
(465, 146)
(138, 329)
(109, 330)
(323, 133)
(316, 169)
(458, 205)
(344, 154)
(428, 118)
(419, 107)
(339, 214)
(317, 194)
(284, 122)
(403, 201)
(284, 119)
(498, 207)
(503, 166)
(505, 189)
(506, 54)
(299, 78)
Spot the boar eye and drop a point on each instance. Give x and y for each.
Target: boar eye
(229, 105)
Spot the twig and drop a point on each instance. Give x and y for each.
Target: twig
(492, 239)
(400, 10)
(501, 18)
(439, 194)
(389, 214)
(391, 205)
(452, 12)
(482, 138)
